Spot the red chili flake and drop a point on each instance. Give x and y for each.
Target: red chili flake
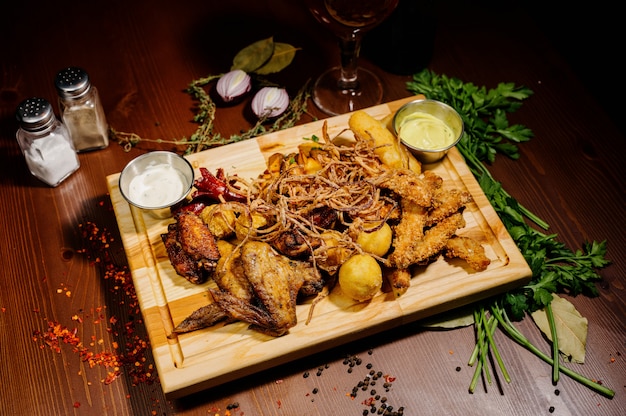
(3, 309)
(279, 403)
(77, 404)
(132, 356)
(369, 401)
(389, 379)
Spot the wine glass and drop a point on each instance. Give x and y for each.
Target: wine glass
(347, 87)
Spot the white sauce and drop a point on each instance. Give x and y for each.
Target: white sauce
(159, 186)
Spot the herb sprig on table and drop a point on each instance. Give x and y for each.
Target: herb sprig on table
(555, 268)
(259, 59)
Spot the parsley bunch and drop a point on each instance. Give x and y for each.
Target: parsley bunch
(555, 268)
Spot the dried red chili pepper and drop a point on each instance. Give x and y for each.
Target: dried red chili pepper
(215, 187)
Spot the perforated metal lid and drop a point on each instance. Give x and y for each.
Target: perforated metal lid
(35, 114)
(72, 82)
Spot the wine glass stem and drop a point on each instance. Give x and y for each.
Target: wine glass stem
(350, 47)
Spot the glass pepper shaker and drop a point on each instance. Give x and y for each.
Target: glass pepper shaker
(81, 109)
(45, 142)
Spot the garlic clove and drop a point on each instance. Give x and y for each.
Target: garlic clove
(233, 84)
(270, 102)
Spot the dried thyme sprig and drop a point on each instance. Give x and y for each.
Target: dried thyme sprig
(205, 136)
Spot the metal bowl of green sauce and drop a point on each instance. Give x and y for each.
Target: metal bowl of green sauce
(428, 128)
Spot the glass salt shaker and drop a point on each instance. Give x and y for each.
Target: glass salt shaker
(81, 109)
(45, 142)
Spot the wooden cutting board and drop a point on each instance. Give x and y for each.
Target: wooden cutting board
(209, 357)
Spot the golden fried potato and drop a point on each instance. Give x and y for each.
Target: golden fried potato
(274, 163)
(245, 225)
(388, 149)
(387, 121)
(376, 242)
(360, 277)
(220, 221)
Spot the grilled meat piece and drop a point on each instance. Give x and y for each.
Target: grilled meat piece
(323, 217)
(292, 244)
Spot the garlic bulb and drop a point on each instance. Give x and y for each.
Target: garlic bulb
(233, 84)
(270, 102)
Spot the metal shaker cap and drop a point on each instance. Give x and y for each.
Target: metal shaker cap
(72, 82)
(35, 114)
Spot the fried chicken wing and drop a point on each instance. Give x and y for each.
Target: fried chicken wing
(191, 247)
(203, 317)
(183, 264)
(197, 241)
(230, 275)
(276, 282)
(195, 237)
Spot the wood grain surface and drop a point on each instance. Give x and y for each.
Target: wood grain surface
(142, 55)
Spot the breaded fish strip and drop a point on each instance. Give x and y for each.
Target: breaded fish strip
(469, 250)
(399, 280)
(409, 232)
(434, 241)
(408, 185)
(445, 203)
(432, 179)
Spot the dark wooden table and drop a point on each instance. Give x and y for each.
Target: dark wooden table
(141, 55)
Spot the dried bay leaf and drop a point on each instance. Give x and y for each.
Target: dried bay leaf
(571, 328)
(254, 56)
(455, 318)
(280, 59)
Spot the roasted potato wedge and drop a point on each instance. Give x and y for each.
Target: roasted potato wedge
(388, 149)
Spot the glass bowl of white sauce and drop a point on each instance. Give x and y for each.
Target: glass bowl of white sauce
(428, 128)
(156, 181)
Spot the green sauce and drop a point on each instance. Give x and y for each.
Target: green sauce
(426, 131)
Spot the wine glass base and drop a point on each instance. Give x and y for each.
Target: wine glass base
(333, 100)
